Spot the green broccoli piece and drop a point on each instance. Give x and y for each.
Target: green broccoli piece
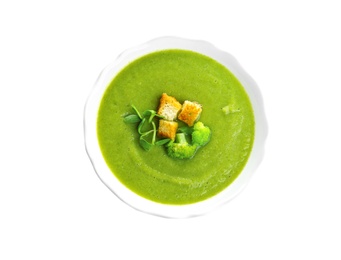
(181, 149)
(201, 134)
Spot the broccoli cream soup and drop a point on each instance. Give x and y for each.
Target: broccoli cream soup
(150, 171)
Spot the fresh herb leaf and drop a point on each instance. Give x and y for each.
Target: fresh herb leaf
(162, 142)
(146, 128)
(145, 144)
(151, 114)
(148, 113)
(131, 119)
(186, 130)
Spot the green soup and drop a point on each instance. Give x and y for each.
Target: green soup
(186, 75)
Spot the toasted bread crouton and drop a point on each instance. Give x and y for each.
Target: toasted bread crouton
(190, 112)
(167, 129)
(169, 107)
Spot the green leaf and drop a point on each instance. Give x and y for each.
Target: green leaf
(131, 119)
(148, 113)
(162, 142)
(151, 114)
(145, 145)
(147, 136)
(186, 130)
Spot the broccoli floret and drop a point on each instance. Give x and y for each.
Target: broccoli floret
(201, 134)
(181, 149)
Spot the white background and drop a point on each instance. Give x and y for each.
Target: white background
(52, 204)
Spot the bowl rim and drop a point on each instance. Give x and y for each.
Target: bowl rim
(120, 190)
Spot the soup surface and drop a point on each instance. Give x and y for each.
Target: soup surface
(186, 75)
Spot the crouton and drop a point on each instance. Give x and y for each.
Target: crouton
(167, 129)
(169, 107)
(190, 112)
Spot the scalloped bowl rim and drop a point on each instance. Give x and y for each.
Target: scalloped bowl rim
(128, 196)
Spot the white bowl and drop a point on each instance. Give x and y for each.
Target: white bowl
(125, 194)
